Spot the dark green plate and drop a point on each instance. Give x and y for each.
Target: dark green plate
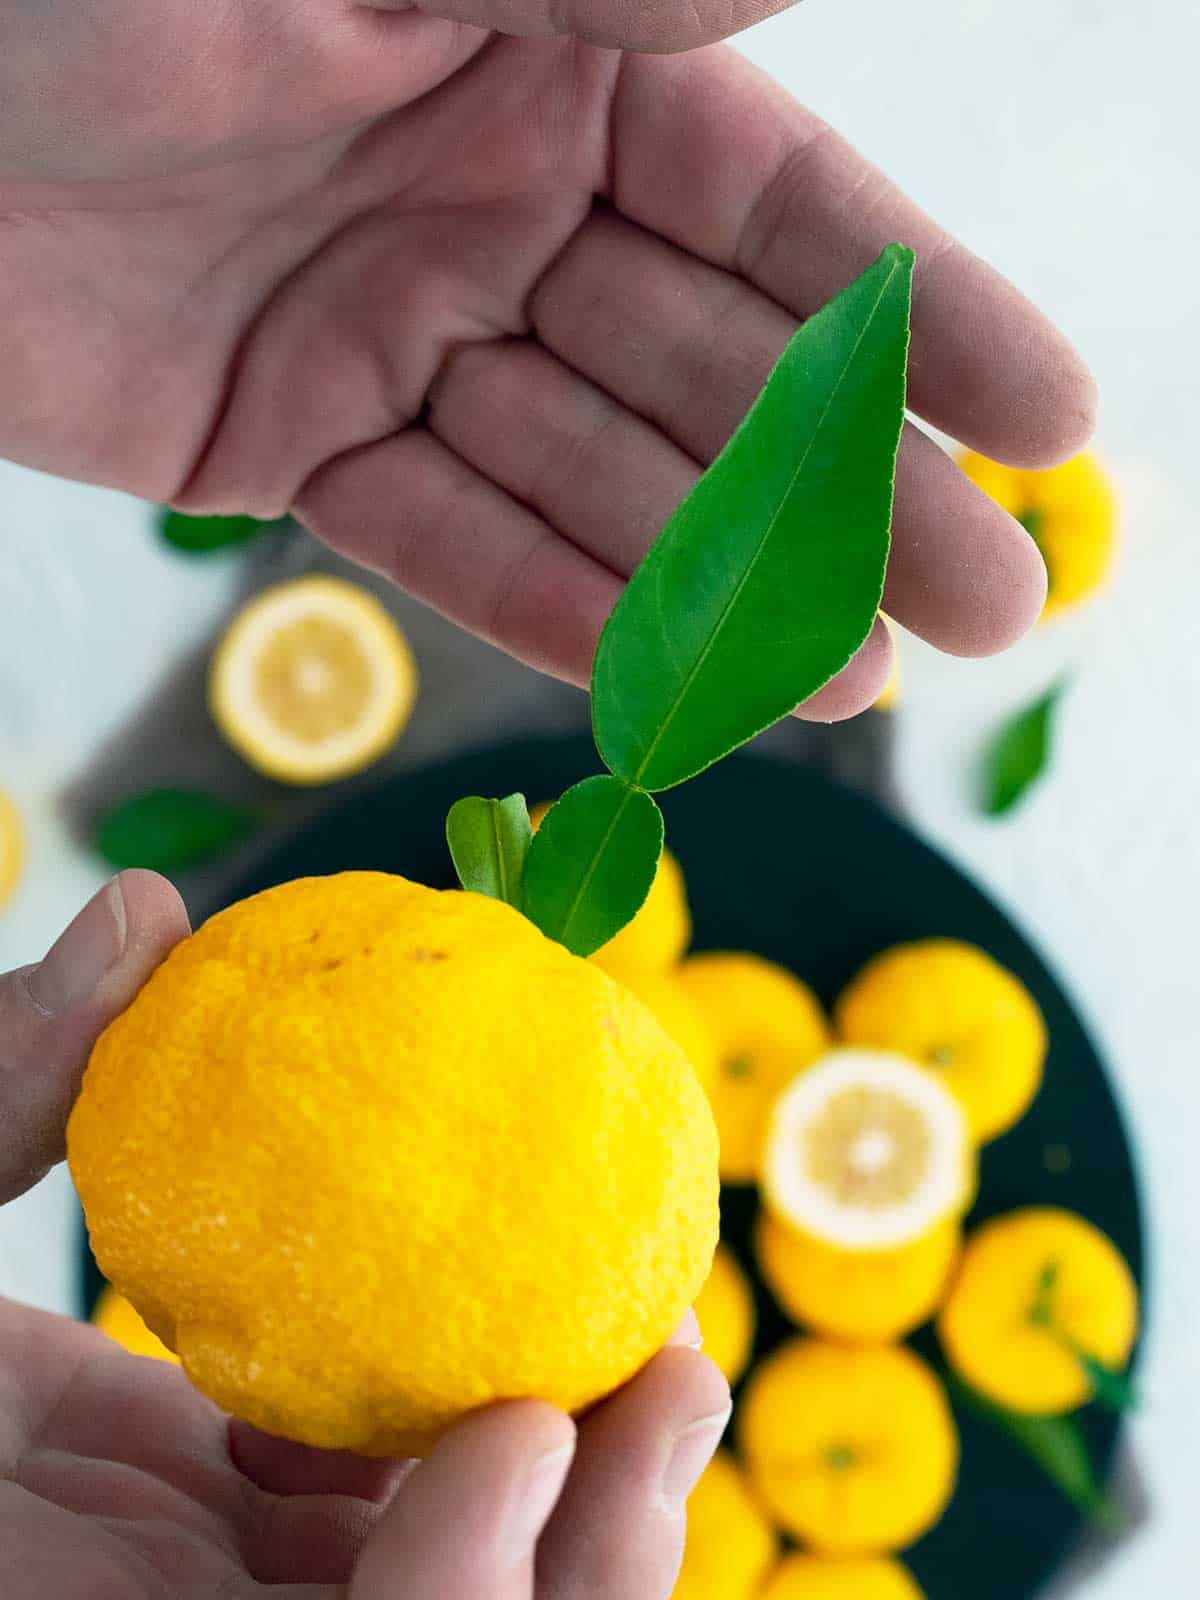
(781, 861)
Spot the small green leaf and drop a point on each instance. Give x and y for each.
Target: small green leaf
(169, 829)
(1113, 1390)
(489, 840)
(1018, 753)
(768, 577)
(1056, 1445)
(592, 862)
(199, 536)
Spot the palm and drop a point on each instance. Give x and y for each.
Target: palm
(480, 308)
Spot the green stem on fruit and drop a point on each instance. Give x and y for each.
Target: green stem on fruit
(1112, 1389)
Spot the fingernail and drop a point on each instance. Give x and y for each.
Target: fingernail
(83, 955)
(535, 1501)
(692, 1452)
(688, 1332)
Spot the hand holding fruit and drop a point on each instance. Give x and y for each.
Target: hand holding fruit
(118, 1479)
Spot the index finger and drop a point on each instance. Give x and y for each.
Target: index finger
(712, 154)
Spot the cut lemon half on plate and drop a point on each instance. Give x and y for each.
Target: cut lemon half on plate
(312, 681)
(12, 847)
(867, 1151)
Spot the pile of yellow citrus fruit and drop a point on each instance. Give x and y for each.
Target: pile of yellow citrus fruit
(861, 1131)
(209, 1111)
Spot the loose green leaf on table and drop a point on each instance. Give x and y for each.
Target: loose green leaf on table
(170, 829)
(489, 840)
(592, 862)
(1056, 1445)
(1019, 753)
(768, 577)
(201, 535)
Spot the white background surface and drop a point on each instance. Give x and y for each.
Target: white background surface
(1061, 139)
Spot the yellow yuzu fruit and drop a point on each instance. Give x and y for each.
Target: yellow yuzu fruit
(852, 1449)
(1035, 1288)
(767, 1026)
(730, 1544)
(951, 1007)
(867, 1151)
(113, 1315)
(725, 1311)
(12, 847)
(342, 1150)
(682, 1018)
(1070, 512)
(888, 697)
(867, 1296)
(805, 1577)
(312, 681)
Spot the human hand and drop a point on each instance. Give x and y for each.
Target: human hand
(478, 308)
(118, 1481)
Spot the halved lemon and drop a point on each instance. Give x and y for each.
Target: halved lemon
(804, 1577)
(313, 681)
(869, 1296)
(114, 1316)
(725, 1312)
(12, 847)
(867, 1151)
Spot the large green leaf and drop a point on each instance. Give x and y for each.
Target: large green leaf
(1019, 753)
(489, 840)
(170, 829)
(592, 862)
(768, 577)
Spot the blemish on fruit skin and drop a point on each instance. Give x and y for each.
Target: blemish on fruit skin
(422, 954)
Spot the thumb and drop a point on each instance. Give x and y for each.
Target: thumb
(52, 1013)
